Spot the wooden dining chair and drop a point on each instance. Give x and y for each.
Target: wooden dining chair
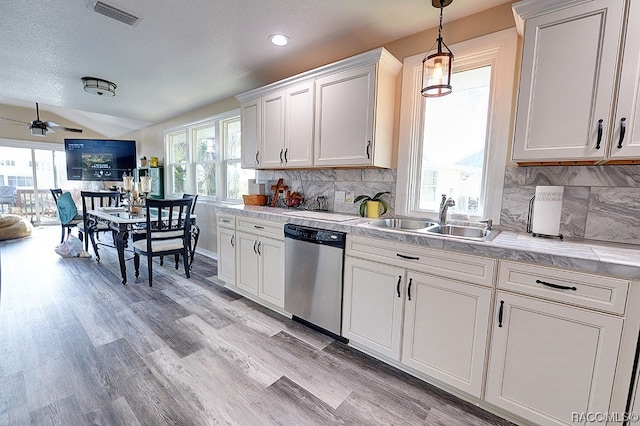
(195, 229)
(168, 232)
(93, 200)
(66, 227)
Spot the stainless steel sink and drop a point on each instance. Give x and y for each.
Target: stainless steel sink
(460, 231)
(408, 224)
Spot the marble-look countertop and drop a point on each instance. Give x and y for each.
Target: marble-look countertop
(620, 260)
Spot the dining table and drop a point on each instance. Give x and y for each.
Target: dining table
(125, 224)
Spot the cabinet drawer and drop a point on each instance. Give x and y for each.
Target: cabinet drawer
(260, 227)
(591, 291)
(225, 220)
(473, 269)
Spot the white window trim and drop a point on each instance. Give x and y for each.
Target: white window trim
(191, 164)
(500, 49)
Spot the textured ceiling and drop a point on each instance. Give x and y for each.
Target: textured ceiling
(184, 54)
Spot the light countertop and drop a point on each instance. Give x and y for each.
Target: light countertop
(621, 260)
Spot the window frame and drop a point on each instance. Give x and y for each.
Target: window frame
(496, 49)
(190, 164)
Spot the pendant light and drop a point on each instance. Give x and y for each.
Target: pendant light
(436, 66)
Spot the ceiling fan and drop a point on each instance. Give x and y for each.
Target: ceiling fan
(40, 128)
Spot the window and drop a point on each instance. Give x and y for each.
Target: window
(204, 158)
(457, 145)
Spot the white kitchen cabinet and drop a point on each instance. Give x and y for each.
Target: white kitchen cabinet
(287, 127)
(567, 82)
(626, 143)
(251, 125)
(446, 324)
(550, 360)
(373, 305)
(354, 117)
(555, 342)
(433, 323)
(337, 115)
(226, 236)
(260, 260)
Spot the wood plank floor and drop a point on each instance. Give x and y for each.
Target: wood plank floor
(79, 348)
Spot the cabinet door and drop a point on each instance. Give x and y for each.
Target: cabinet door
(550, 360)
(251, 121)
(272, 130)
(157, 182)
(372, 305)
(569, 66)
(227, 255)
(626, 143)
(247, 262)
(446, 327)
(344, 118)
(298, 149)
(271, 255)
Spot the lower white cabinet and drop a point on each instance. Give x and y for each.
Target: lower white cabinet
(260, 262)
(446, 324)
(549, 361)
(227, 255)
(435, 325)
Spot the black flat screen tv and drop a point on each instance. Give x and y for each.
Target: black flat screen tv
(99, 159)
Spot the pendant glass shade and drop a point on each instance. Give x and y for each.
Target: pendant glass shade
(436, 72)
(436, 66)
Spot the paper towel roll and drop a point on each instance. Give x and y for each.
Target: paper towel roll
(547, 208)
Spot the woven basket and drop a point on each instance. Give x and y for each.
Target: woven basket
(254, 200)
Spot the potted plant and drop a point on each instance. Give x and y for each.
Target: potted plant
(372, 205)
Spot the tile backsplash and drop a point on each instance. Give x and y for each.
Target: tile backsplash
(600, 202)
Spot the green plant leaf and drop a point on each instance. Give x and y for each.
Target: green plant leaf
(362, 209)
(384, 207)
(380, 194)
(362, 198)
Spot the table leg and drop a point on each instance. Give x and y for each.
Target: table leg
(122, 238)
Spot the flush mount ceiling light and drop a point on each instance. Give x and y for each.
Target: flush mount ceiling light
(436, 66)
(279, 39)
(98, 86)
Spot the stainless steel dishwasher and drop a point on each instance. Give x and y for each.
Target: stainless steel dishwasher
(313, 276)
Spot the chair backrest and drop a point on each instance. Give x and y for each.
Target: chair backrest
(195, 199)
(92, 200)
(55, 193)
(168, 219)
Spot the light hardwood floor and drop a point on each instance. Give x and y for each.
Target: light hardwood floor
(78, 348)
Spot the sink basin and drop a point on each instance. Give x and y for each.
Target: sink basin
(409, 224)
(460, 231)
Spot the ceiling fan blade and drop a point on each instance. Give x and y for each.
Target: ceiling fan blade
(53, 126)
(13, 121)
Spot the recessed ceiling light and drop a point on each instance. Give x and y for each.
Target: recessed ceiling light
(279, 39)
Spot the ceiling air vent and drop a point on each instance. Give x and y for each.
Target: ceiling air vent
(115, 13)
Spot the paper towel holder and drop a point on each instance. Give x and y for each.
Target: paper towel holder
(529, 222)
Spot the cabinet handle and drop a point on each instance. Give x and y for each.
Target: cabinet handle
(259, 244)
(281, 156)
(368, 150)
(254, 246)
(226, 221)
(407, 257)
(623, 130)
(599, 133)
(409, 288)
(500, 313)
(286, 160)
(257, 153)
(233, 244)
(258, 227)
(398, 285)
(559, 287)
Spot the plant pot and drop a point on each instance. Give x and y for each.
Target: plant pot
(373, 209)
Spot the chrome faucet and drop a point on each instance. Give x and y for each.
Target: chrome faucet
(444, 206)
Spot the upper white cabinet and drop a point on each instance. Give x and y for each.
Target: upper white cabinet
(567, 85)
(251, 122)
(335, 116)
